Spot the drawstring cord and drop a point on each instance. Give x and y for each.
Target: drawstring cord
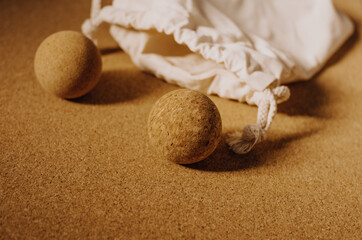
(96, 8)
(252, 134)
(90, 26)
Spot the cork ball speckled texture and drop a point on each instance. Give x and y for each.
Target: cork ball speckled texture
(67, 64)
(184, 126)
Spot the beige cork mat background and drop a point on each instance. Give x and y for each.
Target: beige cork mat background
(83, 168)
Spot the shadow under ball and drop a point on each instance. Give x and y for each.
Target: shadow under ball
(67, 64)
(184, 126)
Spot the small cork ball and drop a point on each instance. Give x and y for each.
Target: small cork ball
(184, 126)
(67, 64)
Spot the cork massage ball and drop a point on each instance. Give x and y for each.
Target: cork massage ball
(67, 64)
(184, 126)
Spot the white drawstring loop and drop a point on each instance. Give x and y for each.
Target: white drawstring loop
(90, 26)
(252, 134)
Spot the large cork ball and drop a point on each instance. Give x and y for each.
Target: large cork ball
(184, 126)
(67, 64)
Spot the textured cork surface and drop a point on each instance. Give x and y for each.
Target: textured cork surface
(67, 64)
(84, 168)
(184, 126)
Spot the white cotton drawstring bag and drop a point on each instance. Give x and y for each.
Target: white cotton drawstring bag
(238, 49)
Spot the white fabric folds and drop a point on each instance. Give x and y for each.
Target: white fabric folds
(238, 49)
